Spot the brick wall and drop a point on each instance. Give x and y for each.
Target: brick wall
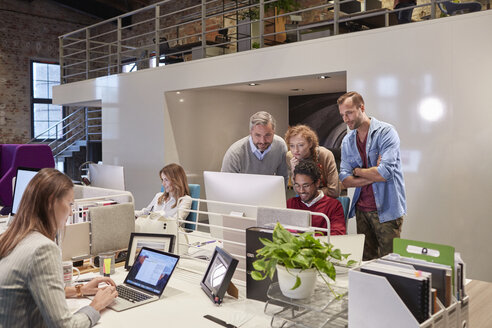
(28, 30)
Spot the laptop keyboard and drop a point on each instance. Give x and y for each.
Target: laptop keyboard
(130, 294)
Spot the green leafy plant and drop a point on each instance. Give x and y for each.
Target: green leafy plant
(297, 252)
(253, 13)
(284, 5)
(256, 45)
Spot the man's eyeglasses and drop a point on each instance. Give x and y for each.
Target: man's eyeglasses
(304, 186)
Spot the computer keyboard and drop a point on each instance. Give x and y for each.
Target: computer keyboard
(130, 294)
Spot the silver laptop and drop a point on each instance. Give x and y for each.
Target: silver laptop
(146, 280)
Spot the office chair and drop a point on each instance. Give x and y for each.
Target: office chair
(452, 8)
(346, 207)
(223, 36)
(192, 217)
(164, 49)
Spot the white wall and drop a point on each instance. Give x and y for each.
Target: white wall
(210, 121)
(396, 69)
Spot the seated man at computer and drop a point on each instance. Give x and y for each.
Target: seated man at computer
(306, 183)
(262, 152)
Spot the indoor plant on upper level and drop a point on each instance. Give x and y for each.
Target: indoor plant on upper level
(299, 258)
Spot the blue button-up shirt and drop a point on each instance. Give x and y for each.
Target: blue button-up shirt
(382, 139)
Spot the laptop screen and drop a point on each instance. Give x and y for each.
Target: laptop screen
(151, 270)
(22, 179)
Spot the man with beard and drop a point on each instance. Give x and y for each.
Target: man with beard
(262, 152)
(371, 163)
(307, 178)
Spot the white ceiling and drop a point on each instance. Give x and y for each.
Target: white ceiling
(307, 85)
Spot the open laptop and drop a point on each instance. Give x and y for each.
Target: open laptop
(146, 280)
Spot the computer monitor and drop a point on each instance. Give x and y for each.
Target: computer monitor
(22, 179)
(240, 189)
(107, 176)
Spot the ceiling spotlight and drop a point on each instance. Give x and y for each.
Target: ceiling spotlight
(253, 84)
(178, 92)
(322, 77)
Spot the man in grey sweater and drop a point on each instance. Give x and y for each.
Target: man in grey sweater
(262, 152)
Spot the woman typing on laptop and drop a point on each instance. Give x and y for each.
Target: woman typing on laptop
(164, 204)
(32, 291)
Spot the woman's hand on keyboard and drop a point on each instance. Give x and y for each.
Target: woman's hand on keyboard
(104, 297)
(91, 287)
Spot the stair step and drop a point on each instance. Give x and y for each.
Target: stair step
(80, 143)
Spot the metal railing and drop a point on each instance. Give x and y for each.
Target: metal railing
(170, 32)
(75, 127)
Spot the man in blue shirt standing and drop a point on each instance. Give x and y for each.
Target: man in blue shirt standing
(371, 163)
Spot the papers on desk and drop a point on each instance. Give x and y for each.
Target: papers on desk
(203, 249)
(74, 304)
(3, 227)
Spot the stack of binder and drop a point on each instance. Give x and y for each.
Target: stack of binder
(412, 286)
(420, 285)
(441, 274)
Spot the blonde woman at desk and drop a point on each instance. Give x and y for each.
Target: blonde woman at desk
(164, 204)
(32, 292)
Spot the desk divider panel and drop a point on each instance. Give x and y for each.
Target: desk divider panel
(76, 241)
(111, 227)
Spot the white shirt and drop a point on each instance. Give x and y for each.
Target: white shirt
(256, 151)
(315, 199)
(166, 209)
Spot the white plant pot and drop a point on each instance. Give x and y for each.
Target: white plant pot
(287, 280)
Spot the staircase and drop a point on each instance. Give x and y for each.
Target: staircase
(78, 133)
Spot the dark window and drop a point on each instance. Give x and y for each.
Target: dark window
(44, 76)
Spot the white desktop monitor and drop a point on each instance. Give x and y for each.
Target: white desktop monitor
(239, 188)
(22, 179)
(107, 176)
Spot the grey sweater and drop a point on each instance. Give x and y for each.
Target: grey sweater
(32, 293)
(240, 159)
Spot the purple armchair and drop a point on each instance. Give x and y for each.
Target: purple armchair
(11, 157)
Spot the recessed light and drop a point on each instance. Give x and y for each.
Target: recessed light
(297, 90)
(178, 92)
(322, 77)
(181, 100)
(253, 84)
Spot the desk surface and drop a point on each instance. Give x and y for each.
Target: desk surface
(378, 20)
(183, 305)
(480, 293)
(187, 47)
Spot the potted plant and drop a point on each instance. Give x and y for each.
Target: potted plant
(298, 260)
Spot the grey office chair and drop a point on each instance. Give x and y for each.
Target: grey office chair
(164, 49)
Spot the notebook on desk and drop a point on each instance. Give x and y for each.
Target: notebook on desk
(146, 280)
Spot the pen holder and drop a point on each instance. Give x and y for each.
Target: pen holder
(106, 264)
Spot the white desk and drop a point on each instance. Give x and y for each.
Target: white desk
(184, 304)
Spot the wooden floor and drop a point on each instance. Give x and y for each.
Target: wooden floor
(480, 313)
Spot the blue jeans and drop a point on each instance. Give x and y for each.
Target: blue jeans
(405, 16)
(452, 7)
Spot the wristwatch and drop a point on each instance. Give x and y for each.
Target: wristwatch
(78, 289)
